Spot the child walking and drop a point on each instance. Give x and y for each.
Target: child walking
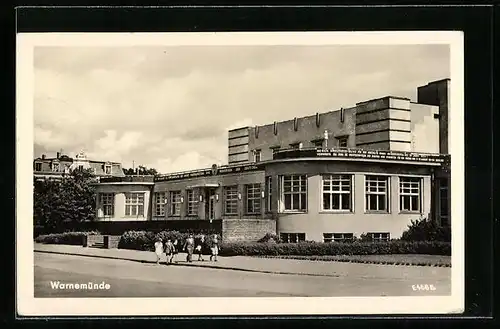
(169, 251)
(199, 247)
(158, 249)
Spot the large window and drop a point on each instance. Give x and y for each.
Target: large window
(159, 200)
(134, 204)
(231, 200)
(107, 201)
(175, 203)
(409, 194)
(269, 188)
(338, 237)
(294, 192)
(192, 203)
(38, 166)
(377, 193)
(337, 192)
(292, 237)
(253, 198)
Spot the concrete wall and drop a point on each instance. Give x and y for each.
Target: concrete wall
(314, 222)
(238, 145)
(264, 138)
(119, 210)
(246, 229)
(424, 128)
(384, 124)
(437, 93)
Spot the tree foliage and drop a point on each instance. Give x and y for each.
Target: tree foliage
(71, 200)
(140, 170)
(426, 230)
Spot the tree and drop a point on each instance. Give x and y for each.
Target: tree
(140, 170)
(60, 203)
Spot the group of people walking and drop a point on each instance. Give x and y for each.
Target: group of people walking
(191, 246)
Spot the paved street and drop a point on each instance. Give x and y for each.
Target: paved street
(135, 279)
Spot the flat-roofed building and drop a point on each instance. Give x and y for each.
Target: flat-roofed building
(370, 169)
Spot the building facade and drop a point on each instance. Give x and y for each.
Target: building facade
(58, 166)
(370, 169)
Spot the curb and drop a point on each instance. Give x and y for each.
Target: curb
(361, 261)
(190, 265)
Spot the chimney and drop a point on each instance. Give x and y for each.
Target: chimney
(58, 155)
(43, 156)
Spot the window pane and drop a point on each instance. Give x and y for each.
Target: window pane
(414, 203)
(288, 201)
(346, 202)
(326, 201)
(295, 201)
(381, 202)
(336, 201)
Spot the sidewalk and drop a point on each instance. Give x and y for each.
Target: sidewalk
(261, 265)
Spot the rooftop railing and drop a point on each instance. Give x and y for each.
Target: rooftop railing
(129, 179)
(312, 152)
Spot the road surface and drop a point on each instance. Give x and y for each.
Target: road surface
(134, 279)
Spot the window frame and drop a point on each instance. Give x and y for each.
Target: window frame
(192, 203)
(380, 238)
(297, 237)
(134, 205)
(257, 154)
(253, 193)
(331, 192)
(387, 194)
(302, 191)
(106, 196)
(106, 169)
(410, 194)
(341, 139)
(175, 198)
(38, 164)
(269, 191)
(231, 198)
(159, 207)
(343, 238)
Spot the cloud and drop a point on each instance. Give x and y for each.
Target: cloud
(171, 107)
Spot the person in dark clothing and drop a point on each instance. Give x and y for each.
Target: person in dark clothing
(199, 247)
(189, 248)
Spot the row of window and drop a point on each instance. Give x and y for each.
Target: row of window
(134, 204)
(341, 143)
(231, 199)
(55, 167)
(337, 193)
(332, 237)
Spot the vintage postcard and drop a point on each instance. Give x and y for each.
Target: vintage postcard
(178, 174)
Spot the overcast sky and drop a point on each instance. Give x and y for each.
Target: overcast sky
(170, 107)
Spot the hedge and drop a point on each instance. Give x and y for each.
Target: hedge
(145, 240)
(71, 238)
(336, 248)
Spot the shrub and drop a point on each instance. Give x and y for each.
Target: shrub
(144, 240)
(336, 248)
(270, 237)
(426, 230)
(71, 238)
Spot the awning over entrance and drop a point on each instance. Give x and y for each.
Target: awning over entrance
(214, 185)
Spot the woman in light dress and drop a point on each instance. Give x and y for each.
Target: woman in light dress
(214, 248)
(158, 249)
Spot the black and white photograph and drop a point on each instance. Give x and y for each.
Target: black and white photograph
(240, 173)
